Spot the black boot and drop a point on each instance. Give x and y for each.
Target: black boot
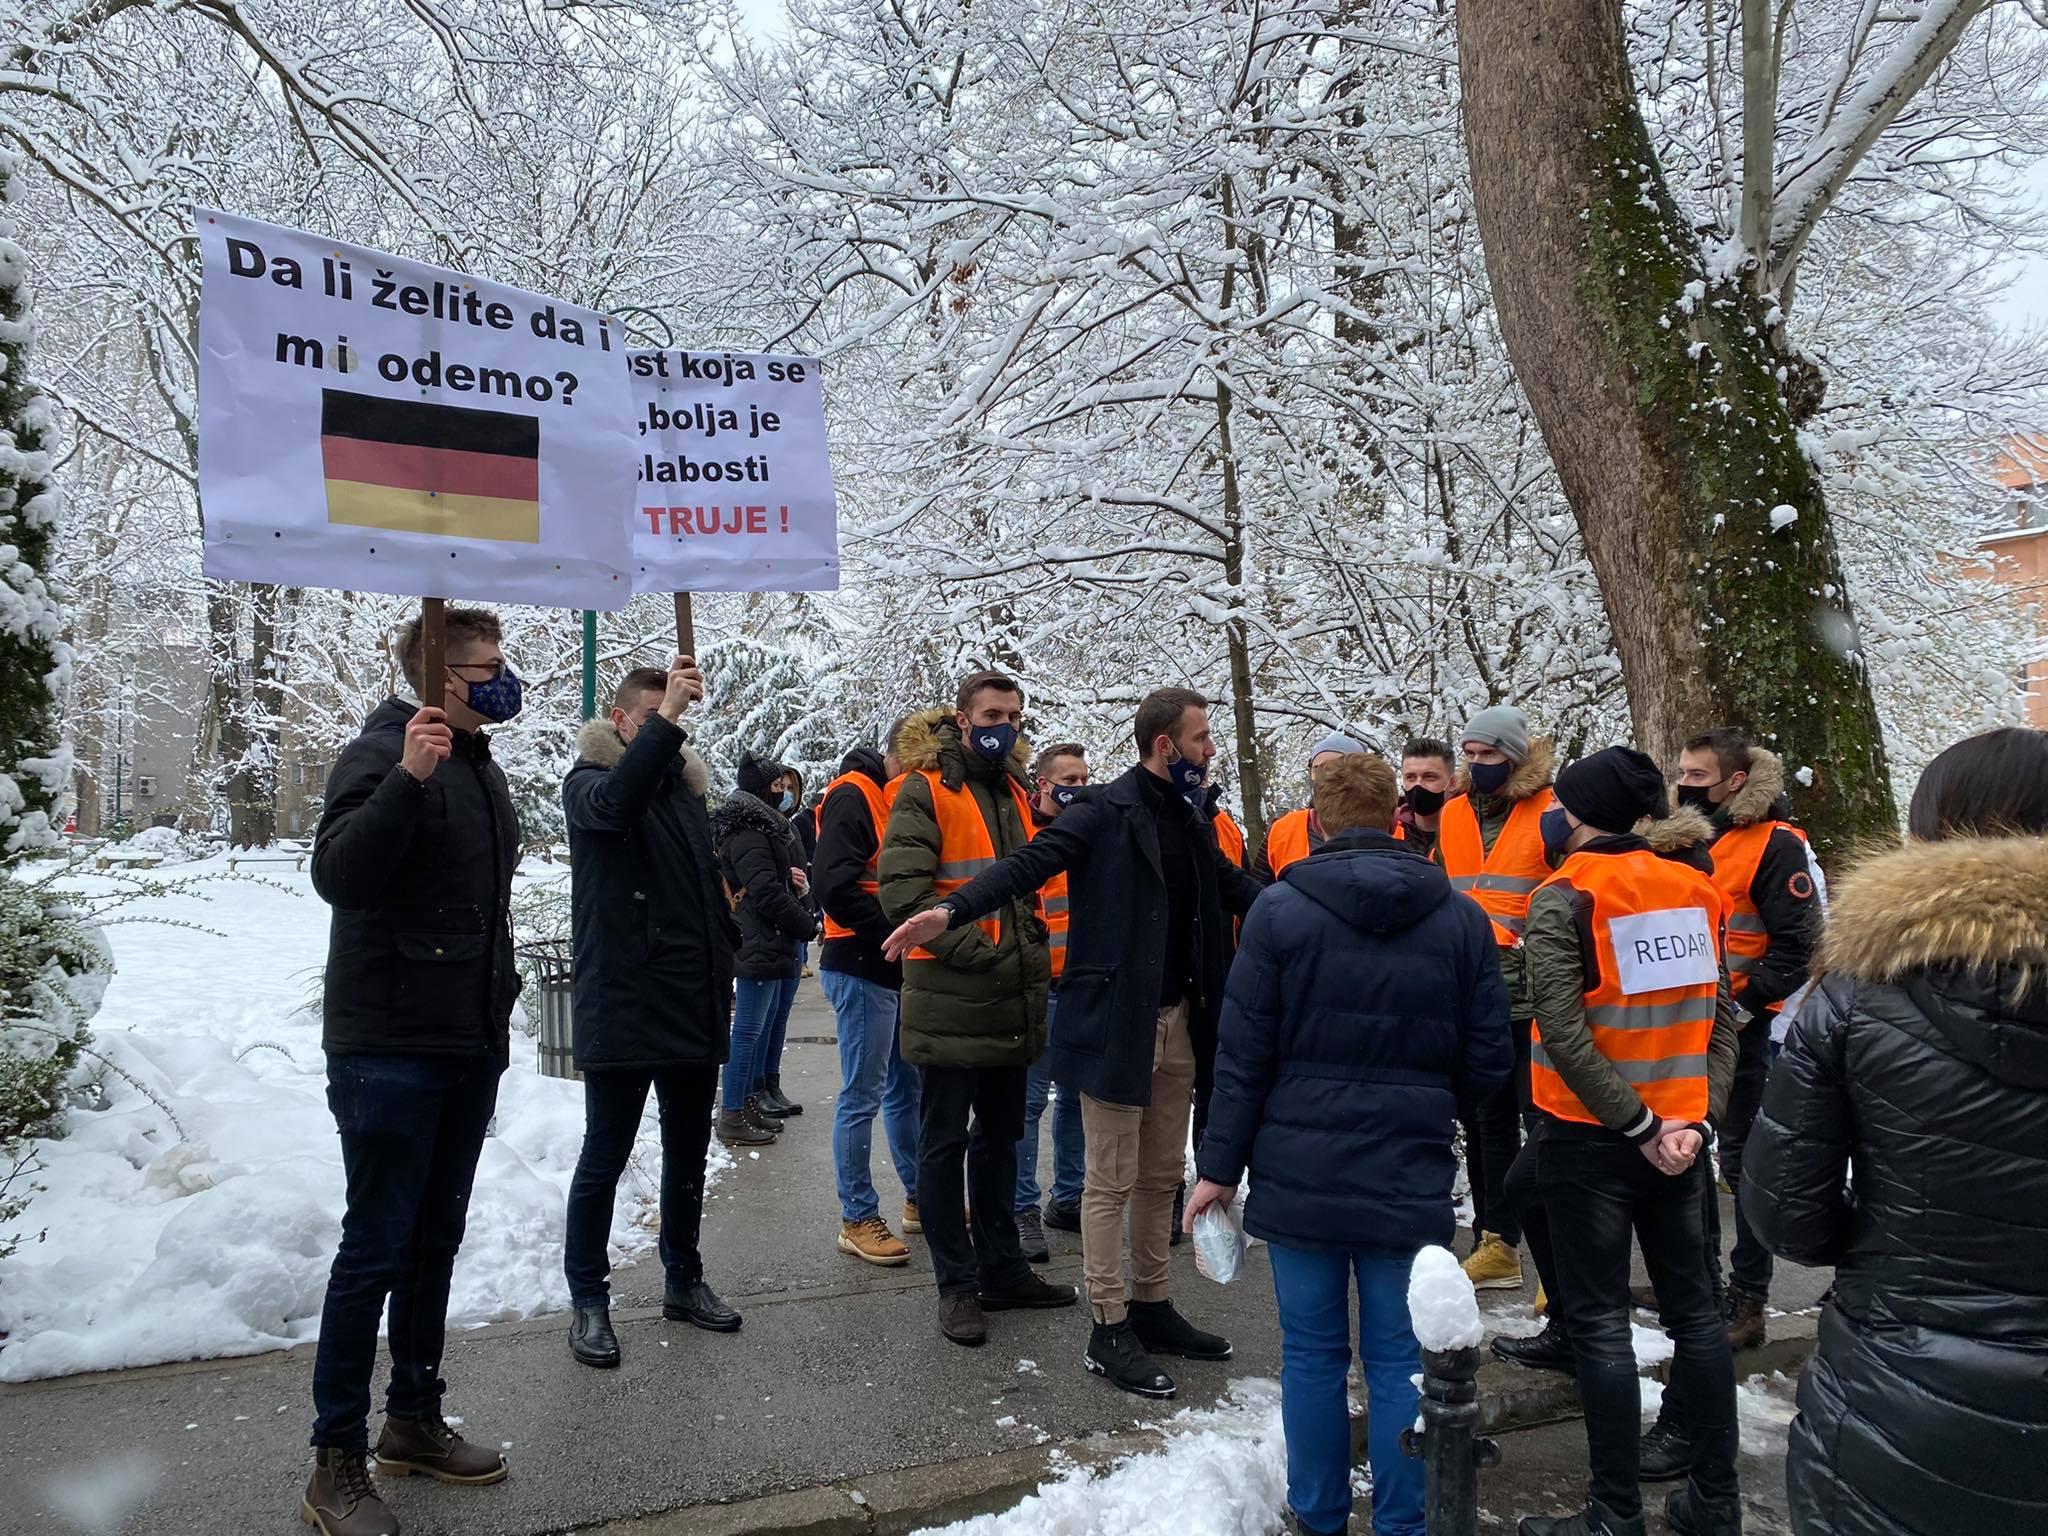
(591, 1339)
(759, 1118)
(1164, 1331)
(1549, 1350)
(1596, 1519)
(1690, 1515)
(699, 1304)
(1115, 1353)
(1027, 1290)
(776, 1102)
(1062, 1218)
(961, 1321)
(1667, 1452)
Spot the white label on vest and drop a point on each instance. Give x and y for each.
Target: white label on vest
(1657, 950)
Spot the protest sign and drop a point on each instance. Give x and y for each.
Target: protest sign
(735, 484)
(372, 423)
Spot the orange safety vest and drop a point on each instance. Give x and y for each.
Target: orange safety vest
(1501, 881)
(1052, 905)
(879, 799)
(1287, 840)
(1657, 937)
(965, 847)
(1737, 853)
(1229, 837)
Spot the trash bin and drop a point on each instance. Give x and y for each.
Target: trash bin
(554, 993)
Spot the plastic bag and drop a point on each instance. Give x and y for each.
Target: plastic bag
(1219, 1242)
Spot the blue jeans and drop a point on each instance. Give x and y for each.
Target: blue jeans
(614, 1098)
(873, 1076)
(1313, 1286)
(411, 1129)
(760, 1018)
(1069, 1150)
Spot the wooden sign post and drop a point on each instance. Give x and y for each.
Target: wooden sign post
(686, 627)
(433, 653)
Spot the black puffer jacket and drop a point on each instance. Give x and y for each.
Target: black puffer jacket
(654, 941)
(1904, 1140)
(419, 951)
(757, 848)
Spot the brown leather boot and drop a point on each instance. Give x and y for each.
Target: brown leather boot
(429, 1446)
(341, 1500)
(1746, 1328)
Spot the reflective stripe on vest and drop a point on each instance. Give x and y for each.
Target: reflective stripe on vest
(1052, 901)
(1287, 841)
(1738, 854)
(1501, 881)
(878, 799)
(1655, 1037)
(965, 846)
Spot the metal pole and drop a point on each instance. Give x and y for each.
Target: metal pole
(589, 663)
(1450, 1446)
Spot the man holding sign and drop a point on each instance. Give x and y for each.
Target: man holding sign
(1635, 1050)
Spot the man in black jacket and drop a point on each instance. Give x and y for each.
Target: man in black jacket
(1147, 955)
(654, 968)
(415, 854)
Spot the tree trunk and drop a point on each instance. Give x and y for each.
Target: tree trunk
(1656, 395)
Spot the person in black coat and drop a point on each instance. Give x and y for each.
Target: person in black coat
(653, 968)
(1148, 948)
(1366, 1004)
(1904, 1140)
(414, 853)
(762, 860)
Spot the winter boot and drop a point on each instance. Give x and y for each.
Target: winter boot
(1540, 1307)
(778, 1103)
(1163, 1331)
(1596, 1519)
(912, 1222)
(340, 1500)
(430, 1447)
(736, 1130)
(1549, 1350)
(699, 1304)
(1031, 1237)
(1062, 1218)
(1690, 1515)
(759, 1118)
(1115, 1354)
(1745, 1320)
(591, 1339)
(873, 1241)
(1028, 1292)
(1494, 1266)
(961, 1321)
(1667, 1452)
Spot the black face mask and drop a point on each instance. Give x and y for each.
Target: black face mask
(1425, 802)
(1699, 796)
(1490, 778)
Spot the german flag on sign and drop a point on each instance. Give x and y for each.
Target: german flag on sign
(412, 467)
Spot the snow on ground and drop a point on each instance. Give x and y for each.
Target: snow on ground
(213, 1236)
(1222, 1472)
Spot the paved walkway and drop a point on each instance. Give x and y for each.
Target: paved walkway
(839, 1372)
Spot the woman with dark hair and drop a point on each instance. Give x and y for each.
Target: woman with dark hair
(1904, 1140)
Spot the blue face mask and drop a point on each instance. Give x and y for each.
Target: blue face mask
(499, 699)
(1557, 831)
(1064, 795)
(993, 742)
(787, 802)
(1490, 778)
(1189, 778)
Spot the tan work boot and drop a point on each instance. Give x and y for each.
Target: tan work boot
(1540, 1307)
(873, 1241)
(1494, 1266)
(340, 1500)
(912, 1222)
(430, 1447)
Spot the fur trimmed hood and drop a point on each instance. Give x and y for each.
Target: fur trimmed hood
(1534, 772)
(742, 811)
(598, 743)
(1684, 828)
(1762, 794)
(930, 738)
(1976, 902)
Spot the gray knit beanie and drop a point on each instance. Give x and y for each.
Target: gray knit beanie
(1502, 726)
(1336, 741)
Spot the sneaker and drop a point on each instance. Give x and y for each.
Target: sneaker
(340, 1500)
(591, 1339)
(873, 1241)
(1596, 1519)
(1030, 1291)
(1667, 1453)
(759, 1118)
(1494, 1266)
(1689, 1515)
(1115, 1354)
(736, 1130)
(911, 1222)
(430, 1447)
(1745, 1320)
(1063, 1218)
(961, 1321)
(1163, 1331)
(1031, 1237)
(1546, 1351)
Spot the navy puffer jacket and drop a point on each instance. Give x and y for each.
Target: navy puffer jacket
(1365, 1001)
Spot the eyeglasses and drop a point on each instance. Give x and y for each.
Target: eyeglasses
(467, 670)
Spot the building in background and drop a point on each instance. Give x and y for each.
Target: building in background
(2019, 556)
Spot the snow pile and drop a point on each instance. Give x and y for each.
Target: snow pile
(1222, 1472)
(208, 1230)
(1441, 1303)
(166, 844)
(1764, 1410)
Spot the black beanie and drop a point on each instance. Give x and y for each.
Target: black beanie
(1613, 789)
(755, 774)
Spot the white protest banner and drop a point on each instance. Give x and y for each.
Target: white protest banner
(1669, 948)
(735, 485)
(372, 423)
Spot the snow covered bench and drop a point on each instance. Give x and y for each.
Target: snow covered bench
(113, 858)
(297, 859)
